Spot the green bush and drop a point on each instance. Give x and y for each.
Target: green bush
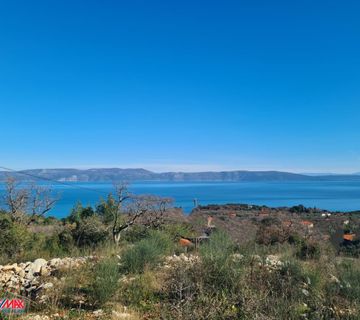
(65, 239)
(142, 292)
(89, 232)
(104, 282)
(146, 253)
(351, 249)
(206, 288)
(14, 238)
(220, 269)
(135, 234)
(350, 280)
(308, 249)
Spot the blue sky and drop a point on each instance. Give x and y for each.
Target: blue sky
(181, 85)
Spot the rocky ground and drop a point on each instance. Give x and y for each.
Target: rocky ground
(33, 279)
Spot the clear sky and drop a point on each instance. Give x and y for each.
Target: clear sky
(181, 85)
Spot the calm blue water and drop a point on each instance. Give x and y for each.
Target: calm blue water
(344, 196)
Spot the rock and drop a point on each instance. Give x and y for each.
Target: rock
(17, 269)
(237, 257)
(54, 262)
(44, 271)
(98, 313)
(28, 267)
(29, 276)
(273, 262)
(305, 292)
(120, 315)
(37, 264)
(7, 268)
(14, 279)
(35, 282)
(334, 279)
(5, 277)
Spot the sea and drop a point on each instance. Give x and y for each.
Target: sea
(329, 195)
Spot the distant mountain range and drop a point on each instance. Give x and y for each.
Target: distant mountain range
(131, 175)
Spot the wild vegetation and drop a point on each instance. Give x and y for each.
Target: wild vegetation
(272, 265)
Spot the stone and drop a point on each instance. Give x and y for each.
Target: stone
(14, 279)
(17, 268)
(98, 313)
(273, 261)
(237, 257)
(9, 267)
(37, 264)
(120, 315)
(334, 279)
(54, 262)
(305, 292)
(5, 277)
(44, 271)
(28, 267)
(29, 276)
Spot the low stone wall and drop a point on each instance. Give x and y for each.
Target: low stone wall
(28, 279)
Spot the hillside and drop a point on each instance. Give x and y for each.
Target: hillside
(117, 174)
(130, 175)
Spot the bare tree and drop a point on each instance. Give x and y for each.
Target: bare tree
(41, 202)
(27, 203)
(16, 199)
(129, 209)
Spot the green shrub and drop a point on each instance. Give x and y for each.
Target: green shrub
(308, 249)
(66, 240)
(205, 288)
(74, 291)
(53, 246)
(146, 253)
(142, 292)
(351, 249)
(135, 233)
(350, 280)
(174, 230)
(104, 282)
(220, 269)
(90, 231)
(14, 238)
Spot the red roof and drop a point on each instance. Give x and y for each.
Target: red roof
(349, 236)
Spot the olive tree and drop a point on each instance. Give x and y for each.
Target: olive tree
(123, 210)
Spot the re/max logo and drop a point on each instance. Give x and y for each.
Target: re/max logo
(12, 305)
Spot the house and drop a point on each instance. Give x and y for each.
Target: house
(185, 242)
